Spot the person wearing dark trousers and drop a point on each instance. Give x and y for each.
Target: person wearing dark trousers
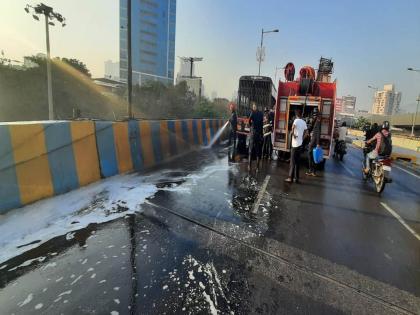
(271, 115)
(294, 164)
(299, 130)
(256, 122)
(233, 121)
(268, 129)
(314, 142)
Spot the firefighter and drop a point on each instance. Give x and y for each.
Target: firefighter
(268, 129)
(256, 135)
(315, 133)
(233, 121)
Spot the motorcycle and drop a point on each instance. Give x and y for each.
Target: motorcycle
(379, 172)
(340, 149)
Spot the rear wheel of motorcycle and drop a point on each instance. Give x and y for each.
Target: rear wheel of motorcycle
(341, 156)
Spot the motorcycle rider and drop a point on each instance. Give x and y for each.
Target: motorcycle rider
(377, 139)
(371, 131)
(342, 133)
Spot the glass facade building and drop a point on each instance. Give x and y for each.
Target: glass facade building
(152, 40)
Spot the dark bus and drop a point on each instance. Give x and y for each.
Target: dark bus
(258, 89)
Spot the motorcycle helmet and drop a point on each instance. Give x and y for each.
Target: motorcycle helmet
(385, 125)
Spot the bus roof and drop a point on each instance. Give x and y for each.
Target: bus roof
(254, 78)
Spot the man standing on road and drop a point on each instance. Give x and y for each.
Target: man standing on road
(314, 142)
(233, 120)
(299, 130)
(256, 122)
(268, 129)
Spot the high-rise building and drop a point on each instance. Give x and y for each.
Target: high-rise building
(348, 104)
(112, 70)
(152, 40)
(387, 101)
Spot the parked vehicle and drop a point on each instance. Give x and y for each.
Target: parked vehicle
(308, 92)
(258, 89)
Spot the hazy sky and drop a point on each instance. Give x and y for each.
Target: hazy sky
(372, 42)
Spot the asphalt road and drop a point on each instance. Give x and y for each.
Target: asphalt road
(329, 245)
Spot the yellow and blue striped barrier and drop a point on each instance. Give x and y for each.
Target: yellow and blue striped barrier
(9, 187)
(42, 159)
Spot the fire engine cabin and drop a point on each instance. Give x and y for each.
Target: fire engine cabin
(306, 93)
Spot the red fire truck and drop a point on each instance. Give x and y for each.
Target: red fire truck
(307, 92)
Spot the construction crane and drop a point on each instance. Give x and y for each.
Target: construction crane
(191, 60)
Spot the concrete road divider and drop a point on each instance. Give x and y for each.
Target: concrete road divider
(42, 159)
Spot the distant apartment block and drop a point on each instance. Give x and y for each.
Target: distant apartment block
(338, 105)
(153, 40)
(349, 104)
(387, 101)
(112, 70)
(187, 73)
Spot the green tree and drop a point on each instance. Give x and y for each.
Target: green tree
(361, 122)
(208, 109)
(78, 65)
(23, 94)
(156, 100)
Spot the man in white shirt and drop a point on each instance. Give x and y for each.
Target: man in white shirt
(299, 131)
(342, 132)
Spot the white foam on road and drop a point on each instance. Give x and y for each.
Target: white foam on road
(39, 306)
(28, 262)
(193, 179)
(27, 300)
(100, 202)
(97, 203)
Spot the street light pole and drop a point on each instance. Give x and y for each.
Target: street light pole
(260, 55)
(49, 81)
(417, 108)
(129, 64)
(261, 47)
(50, 15)
(415, 116)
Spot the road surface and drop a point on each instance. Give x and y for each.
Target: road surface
(184, 239)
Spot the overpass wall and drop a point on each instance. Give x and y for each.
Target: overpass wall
(42, 159)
